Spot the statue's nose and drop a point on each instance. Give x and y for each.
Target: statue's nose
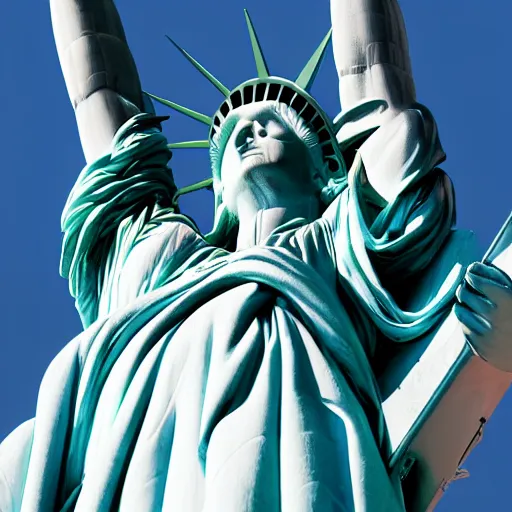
(259, 130)
(250, 134)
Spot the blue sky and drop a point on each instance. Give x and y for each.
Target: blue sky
(460, 53)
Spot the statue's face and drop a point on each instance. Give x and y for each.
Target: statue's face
(263, 155)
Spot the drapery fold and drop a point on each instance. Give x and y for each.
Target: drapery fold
(209, 380)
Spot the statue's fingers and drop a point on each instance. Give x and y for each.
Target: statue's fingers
(492, 285)
(474, 300)
(490, 272)
(472, 323)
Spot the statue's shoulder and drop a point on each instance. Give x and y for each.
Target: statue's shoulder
(171, 231)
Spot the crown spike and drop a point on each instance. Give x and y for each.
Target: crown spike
(261, 64)
(222, 88)
(202, 118)
(207, 183)
(189, 144)
(308, 74)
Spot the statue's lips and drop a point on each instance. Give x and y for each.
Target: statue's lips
(250, 152)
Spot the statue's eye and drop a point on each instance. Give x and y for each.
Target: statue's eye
(274, 128)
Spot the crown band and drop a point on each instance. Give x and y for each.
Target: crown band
(287, 92)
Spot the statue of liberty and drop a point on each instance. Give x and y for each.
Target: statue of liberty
(236, 370)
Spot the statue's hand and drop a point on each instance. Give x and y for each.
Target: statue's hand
(485, 311)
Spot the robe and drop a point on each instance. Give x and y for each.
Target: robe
(209, 380)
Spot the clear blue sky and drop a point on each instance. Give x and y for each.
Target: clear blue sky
(460, 52)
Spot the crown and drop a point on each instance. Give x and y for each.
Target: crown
(265, 87)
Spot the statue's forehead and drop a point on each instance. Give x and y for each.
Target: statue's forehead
(252, 111)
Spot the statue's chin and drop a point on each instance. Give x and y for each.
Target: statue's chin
(253, 161)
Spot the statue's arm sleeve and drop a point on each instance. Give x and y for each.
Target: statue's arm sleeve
(121, 202)
(99, 70)
(382, 247)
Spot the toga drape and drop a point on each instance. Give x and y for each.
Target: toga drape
(208, 380)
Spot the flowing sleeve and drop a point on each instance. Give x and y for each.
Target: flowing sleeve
(383, 248)
(122, 236)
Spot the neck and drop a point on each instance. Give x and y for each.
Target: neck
(256, 223)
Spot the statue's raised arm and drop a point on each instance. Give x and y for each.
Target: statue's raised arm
(372, 53)
(100, 74)
(377, 90)
(124, 198)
